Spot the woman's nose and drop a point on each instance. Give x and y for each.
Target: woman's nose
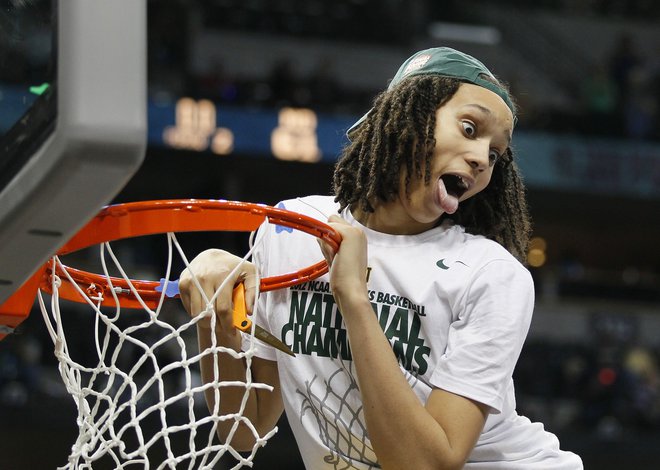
(477, 158)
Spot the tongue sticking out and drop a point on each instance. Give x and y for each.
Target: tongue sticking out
(448, 202)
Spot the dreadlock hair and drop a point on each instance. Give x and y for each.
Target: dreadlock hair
(399, 134)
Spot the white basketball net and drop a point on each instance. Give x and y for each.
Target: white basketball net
(139, 407)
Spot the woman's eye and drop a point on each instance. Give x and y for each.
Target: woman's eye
(493, 156)
(469, 128)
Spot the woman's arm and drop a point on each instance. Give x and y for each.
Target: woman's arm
(263, 408)
(403, 432)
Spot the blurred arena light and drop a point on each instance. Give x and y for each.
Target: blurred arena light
(536, 256)
(486, 35)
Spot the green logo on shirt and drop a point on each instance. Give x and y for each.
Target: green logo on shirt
(441, 264)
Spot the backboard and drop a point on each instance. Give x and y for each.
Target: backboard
(73, 121)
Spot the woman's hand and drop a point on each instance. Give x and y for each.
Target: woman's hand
(348, 265)
(211, 268)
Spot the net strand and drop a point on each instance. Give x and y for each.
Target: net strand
(117, 399)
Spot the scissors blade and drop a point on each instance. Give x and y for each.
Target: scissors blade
(269, 338)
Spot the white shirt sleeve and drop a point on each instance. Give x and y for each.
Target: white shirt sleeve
(486, 338)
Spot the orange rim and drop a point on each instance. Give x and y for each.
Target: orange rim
(136, 219)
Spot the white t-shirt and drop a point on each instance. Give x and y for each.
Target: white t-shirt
(456, 309)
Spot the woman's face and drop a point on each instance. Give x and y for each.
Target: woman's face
(473, 129)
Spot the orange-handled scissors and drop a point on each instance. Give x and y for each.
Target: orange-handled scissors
(243, 323)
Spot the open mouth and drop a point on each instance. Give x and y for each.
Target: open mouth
(455, 185)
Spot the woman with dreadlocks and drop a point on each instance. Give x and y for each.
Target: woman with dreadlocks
(405, 350)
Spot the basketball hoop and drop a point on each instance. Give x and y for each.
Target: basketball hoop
(114, 400)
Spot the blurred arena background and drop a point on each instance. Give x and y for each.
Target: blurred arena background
(249, 99)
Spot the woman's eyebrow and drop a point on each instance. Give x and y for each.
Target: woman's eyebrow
(481, 108)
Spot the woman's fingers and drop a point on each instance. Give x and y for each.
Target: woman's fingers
(250, 281)
(349, 263)
(210, 271)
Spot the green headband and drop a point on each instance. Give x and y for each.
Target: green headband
(446, 62)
